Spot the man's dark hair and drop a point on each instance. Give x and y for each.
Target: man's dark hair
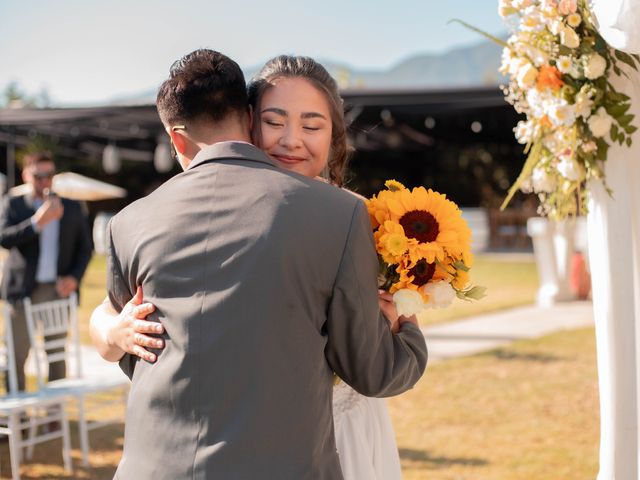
(204, 85)
(31, 159)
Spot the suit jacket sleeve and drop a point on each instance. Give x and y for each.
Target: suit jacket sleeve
(13, 232)
(361, 348)
(119, 293)
(83, 245)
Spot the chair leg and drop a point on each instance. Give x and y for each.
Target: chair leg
(66, 441)
(84, 432)
(14, 445)
(32, 434)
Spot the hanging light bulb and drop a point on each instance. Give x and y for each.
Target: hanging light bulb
(162, 159)
(111, 159)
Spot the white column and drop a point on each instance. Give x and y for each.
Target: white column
(614, 237)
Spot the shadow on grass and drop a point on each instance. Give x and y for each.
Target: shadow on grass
(429, 461)
(505, 354)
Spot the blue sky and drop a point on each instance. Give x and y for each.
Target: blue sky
(91, 51)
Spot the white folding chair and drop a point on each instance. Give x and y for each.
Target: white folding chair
(21, 410)
(58, 319)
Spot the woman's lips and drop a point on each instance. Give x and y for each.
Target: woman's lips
(288, 159)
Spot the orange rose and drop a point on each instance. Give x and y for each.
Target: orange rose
(549, 77)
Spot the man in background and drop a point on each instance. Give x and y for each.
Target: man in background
(49, 248)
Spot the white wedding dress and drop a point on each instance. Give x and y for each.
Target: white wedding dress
(364, 436)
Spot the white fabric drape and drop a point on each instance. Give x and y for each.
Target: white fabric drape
(614, 254)
(618, 22)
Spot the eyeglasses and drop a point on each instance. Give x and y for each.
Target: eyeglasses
(43, 175)
(175, 128)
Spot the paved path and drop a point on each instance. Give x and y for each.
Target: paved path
(485, 332)
(447, 340)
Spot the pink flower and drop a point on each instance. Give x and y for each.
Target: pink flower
(565, 7)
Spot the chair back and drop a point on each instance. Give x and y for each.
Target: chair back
(7, 355)
(52, 327)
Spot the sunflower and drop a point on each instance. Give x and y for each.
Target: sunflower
(413, 276)
(391, 242)
(433, 225)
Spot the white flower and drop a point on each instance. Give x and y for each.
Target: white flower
(526, 186)
(542, 181)
(562, 114)
(568, 168)
(408, 302)
(600, 123)
(583, 104)
(527, 76)
(564, 64)
(595, 66)
(505, 8)
(441, 294)
(574, 20)
(569, 38)
(524, 132)
(556, 26)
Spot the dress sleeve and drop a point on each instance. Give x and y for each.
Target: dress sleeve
(361, 348)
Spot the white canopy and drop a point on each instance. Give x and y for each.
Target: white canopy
(78, 187)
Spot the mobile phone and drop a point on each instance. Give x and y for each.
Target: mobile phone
(49, 194)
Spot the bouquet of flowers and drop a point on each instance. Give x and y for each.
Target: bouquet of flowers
(424, 248)
(558, 68)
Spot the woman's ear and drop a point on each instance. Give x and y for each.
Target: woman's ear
(251, 119)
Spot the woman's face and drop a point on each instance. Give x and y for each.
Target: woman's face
(295, 126)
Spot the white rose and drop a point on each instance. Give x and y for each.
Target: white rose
(569, 38)
(527, 76)
(600, 123)
(542, 181)
(568, 168)
(595, 66)
(562, 114)
(441, 294)
(408, 302)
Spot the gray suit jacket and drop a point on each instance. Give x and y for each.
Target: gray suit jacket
(265, 281)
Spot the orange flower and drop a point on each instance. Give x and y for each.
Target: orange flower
(549, 77)
(546, 122)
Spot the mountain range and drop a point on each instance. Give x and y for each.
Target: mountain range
(469, 66)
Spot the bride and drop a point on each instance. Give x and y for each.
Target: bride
(298, 120)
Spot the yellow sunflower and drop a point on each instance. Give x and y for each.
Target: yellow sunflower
(391, 242)
(435, 223)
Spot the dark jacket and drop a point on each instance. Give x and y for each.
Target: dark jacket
(21, 239)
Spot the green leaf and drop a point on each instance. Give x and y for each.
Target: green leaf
(481, 32)
(630, 129)
(614, 132)
(459, 265)
(628, 141)
(625, 120)
(626, 58)
(618, 109)
(476, 293)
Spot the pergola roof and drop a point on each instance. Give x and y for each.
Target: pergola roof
(136, 129)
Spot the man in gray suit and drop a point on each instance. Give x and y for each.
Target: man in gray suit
(265, 282)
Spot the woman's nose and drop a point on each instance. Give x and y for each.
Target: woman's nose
(290, 139)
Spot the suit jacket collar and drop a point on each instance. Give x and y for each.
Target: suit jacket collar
(227, 150)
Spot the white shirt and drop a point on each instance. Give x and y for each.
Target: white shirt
(49, 237)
